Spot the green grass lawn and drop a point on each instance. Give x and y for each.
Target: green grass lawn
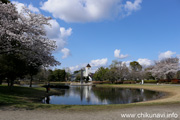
(30, 98)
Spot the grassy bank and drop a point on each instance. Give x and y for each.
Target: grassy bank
(30, 98)
(23, 97)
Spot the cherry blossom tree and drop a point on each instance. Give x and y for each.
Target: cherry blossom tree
(165, 69)
(24, 34)
(121, 70)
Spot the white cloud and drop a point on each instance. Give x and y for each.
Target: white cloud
(20, 6)
(130, 7)
(77, 67)
(127, 63)
(65, 33)
(95, 64)
(60, 35)
(145, 62)
(53, 31)
(167, 54)
(99, 62)
(118, 55)
(74, 68)
(33, 9)
(66, 52)
(88, 10)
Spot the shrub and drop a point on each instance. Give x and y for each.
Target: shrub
(150, 81)
(119, 82)
(101, 82)
(175, 81)
(164, 81)
(129, 82)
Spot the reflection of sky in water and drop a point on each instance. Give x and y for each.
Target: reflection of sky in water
(88, 95)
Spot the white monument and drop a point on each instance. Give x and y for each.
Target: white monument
(142, 82)
(87, 72)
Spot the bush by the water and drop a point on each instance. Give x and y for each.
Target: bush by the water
(150, 81)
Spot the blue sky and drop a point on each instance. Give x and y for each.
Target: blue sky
(97, 32)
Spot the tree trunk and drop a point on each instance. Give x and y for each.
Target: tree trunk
(30, 85)
(12, 82)
(8, 82)
(0, 82)
(116, 81)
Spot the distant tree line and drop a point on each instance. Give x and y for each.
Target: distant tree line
(118, 71)
(58, 75)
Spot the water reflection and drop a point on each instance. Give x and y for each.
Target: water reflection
(47, 99)
(88, 95)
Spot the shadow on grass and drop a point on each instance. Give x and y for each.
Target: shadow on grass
(20, 95)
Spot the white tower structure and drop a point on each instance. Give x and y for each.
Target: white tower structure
(87, 70)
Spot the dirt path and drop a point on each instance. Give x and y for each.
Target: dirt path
(140, 111)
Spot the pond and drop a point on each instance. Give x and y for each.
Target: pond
(90, 95)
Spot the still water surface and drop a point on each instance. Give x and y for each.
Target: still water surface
(89, 95)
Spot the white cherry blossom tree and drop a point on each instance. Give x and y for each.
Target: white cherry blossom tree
(166, 68)
(24, 34)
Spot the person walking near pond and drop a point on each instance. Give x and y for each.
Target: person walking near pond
(48, 87)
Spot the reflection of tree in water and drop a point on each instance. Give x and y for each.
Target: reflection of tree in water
(47, 99)
(81, 91)
(150, 95)
(111, 95)
(123, 95)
